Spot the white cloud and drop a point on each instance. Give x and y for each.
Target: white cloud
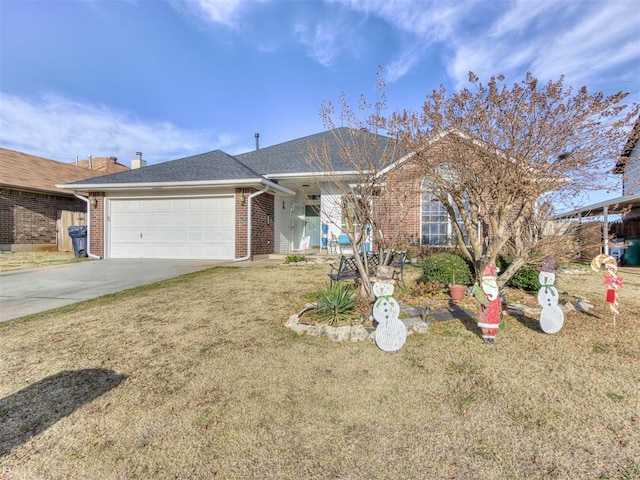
(579, 40)
(55, 127)
(428, 20)
(605, 39)
(426, 23)
(402, 65)
(321, 40)
(224, 12)
(523, 13)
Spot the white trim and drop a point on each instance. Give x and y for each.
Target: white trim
(311, 174)
(151, 197)
(151, 185)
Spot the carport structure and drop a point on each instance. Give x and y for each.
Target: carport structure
(629, 205)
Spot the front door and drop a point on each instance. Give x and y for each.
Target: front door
(312, 225)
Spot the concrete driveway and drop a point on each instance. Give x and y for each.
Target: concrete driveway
(25, 292)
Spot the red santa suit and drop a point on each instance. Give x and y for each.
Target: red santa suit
(490, 304)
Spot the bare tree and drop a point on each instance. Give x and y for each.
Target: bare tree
(352, 167)
(499, 157)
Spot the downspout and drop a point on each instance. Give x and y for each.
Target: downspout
(89, 254)
(254, 194)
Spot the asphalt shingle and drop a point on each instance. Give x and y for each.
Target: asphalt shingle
(285, 158)
(215, 165)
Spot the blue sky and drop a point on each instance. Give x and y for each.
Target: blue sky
(176, 78)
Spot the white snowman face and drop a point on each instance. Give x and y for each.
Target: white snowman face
(546, 278)
(380, 289)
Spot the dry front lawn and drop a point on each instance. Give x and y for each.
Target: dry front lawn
(196, 378)
(20, 260)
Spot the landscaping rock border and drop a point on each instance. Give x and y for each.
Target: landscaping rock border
(354, 333)
(414, 320)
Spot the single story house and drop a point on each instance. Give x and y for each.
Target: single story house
(34, 212)
(218, 206)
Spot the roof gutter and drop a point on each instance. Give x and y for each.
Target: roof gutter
(89, 254)
(176, 185)
(249, 201)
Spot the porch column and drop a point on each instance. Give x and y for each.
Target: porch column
(605, 229)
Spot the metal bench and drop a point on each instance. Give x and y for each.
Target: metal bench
(397, 259)
(348, 269)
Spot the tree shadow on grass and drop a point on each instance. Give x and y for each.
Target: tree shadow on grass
(453, 311)
(529, 322)
(32, 410)
(468, 318)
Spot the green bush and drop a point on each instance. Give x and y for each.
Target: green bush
(446, 268)
(336, 302)
(524, 279)
(293, 259)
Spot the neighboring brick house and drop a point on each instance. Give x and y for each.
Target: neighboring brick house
(32, 209)
(217, 206)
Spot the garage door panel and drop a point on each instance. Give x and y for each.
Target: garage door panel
(172, 228)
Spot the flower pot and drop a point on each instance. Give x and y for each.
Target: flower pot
(456, 292)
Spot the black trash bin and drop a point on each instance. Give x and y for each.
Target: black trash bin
(78, 236)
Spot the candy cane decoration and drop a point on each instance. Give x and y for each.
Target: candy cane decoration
(611, 280)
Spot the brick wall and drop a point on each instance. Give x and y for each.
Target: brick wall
(262, 234)
(402, 204)
(96, 246)
(29, 218)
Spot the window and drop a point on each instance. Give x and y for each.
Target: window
(436, 228)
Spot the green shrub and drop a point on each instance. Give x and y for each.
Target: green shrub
(336, 302)
(293, 259)
(524, 279)
(446, 268)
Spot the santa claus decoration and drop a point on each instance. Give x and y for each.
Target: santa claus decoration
(488, 296)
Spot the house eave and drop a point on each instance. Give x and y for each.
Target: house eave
(113, 187)
(316, 175)
(613, 205)
(58, 192)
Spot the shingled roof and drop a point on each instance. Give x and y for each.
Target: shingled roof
(259, 165)
(29, 172)
(292, 156)
(210, 166)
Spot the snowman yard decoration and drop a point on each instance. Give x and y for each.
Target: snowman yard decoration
(391, 334)
(551, 316)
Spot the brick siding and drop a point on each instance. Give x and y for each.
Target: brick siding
(96, 242)
(407, 230)
(29, 218)
(262, 234)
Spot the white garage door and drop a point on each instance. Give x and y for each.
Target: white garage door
(172, 228)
